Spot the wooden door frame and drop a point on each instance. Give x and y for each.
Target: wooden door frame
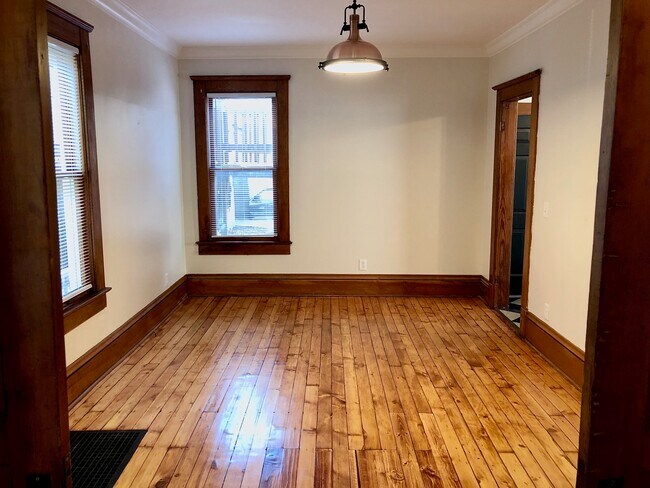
(615, 422)
(34, 430)
(508, 94)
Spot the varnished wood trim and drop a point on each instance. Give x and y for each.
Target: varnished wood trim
(74, 31)
(78, 312)
(485, 288)
(203, 86)
(90, 367)
(244, 247)
(240, 78)
(615, 422)
(518, 80)
(567, 357)
(72, 19)
(332, 285)
(508, 95)
(34, 434)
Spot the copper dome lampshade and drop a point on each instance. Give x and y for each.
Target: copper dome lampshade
(354, 55)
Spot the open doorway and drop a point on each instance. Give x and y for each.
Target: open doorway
(514, 171)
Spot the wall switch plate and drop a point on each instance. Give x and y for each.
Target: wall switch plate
(547, 310)
(546, 209)
(363, 265)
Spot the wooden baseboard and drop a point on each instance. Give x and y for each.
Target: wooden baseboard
(333, 285)
(567, 357)
(90, 367)
(486, 289)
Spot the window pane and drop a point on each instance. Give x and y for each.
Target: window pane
(74, 242)
(244, 203)
(241, 131)
(72, 234)
(242, 160)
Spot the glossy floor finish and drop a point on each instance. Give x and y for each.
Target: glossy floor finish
(340, 392)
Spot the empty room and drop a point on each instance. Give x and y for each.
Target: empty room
(330, 244)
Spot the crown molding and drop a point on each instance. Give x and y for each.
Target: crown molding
(319, 52)
(134, 21)
(535, 21)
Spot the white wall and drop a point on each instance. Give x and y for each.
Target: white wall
(395, 167)
(572, 52)
(385, 167)
(138, 150)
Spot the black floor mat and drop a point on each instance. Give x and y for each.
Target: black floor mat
(99, 456)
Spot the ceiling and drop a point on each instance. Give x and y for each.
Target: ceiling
(405, 24)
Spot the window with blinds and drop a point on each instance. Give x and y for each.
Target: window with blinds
(242, 161)
(70, 169)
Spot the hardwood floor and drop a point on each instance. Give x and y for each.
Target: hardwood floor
(338, 392)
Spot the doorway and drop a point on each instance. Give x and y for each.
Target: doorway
(514, 171)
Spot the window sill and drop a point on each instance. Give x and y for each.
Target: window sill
(245, 247)
(78, 310)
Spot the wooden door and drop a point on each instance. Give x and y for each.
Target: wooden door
(503, 199)
(519, 204)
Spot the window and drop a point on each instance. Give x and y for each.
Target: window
(242, 164)
(75, 167)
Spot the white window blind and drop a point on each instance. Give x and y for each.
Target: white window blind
(242, 146)
(70, 169)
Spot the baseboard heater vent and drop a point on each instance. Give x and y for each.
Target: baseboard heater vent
(99, 456)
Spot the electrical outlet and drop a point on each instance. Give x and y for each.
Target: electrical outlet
(546, 210)
(547, 310)
(166, 279)
(363, 264)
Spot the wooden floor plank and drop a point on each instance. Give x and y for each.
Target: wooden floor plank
(358, 392)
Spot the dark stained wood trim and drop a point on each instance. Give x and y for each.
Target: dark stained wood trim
(72, 30)
(332, 285)
(244, 247)
(237, 78)
(615, 422)
(504, 200)
(560, 352)
(78, 312)
(486, 289)
(278, 84)
(503, 185)
(518, 80)
(90, 367)
(67, 16)
(34, 429)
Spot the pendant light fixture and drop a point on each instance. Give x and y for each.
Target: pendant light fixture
(354, 55)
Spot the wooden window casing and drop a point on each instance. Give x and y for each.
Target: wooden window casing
(280, 243)
(73, 31)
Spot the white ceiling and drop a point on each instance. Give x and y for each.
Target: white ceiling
(406, 24)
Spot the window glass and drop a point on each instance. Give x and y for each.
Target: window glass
(242, 163)
(74, 244)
